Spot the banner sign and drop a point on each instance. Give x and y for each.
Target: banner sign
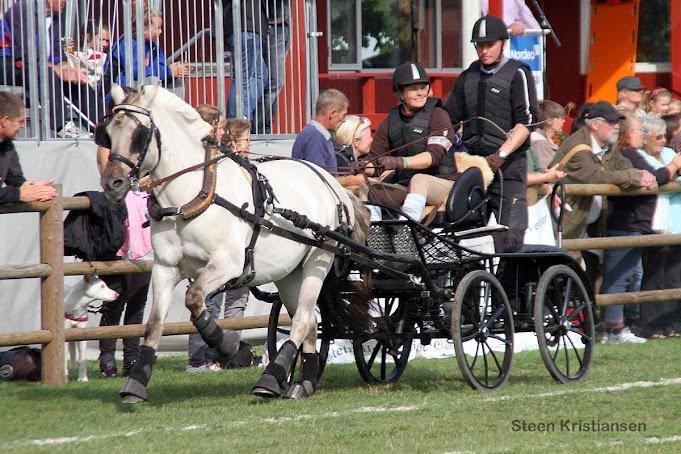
(529, 49)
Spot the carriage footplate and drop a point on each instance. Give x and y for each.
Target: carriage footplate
(272, 382)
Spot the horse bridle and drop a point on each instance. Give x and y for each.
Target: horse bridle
(141, 136)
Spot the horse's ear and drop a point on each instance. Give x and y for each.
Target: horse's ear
(117, 94)
(149, 92)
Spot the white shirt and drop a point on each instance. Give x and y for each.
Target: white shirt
(597, 204)
(515, 11)
(597, 149)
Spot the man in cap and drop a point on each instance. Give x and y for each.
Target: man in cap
(630, 95)
(415, 137)
(502, 91)
(581, 156)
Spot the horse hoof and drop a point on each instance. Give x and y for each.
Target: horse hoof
(130, 399)
(267, 386)
(133, 391)
(301, 389)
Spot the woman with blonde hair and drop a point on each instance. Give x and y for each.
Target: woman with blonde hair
(351, 141)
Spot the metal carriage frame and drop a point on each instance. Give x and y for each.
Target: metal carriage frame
(425, 284)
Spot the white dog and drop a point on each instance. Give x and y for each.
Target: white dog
(76, 303)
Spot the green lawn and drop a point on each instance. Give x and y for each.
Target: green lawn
(431, 409)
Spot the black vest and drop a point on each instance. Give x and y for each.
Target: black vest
(401, 132)
(488, 96)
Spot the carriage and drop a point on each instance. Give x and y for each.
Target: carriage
(445, 281)
(213, 223)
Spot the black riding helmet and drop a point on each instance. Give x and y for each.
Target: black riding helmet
(409, 73)
(488, 29)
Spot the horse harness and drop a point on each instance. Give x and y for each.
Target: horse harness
(141, 137)
(263, 194)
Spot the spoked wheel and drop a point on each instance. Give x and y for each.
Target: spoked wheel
(482, 331)
(382, 355)
(273, 329)
(564, 324)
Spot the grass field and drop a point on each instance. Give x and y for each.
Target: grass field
(431, 409)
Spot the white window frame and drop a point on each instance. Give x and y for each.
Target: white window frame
(357, 66)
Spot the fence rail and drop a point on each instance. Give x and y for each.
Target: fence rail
(52, 270)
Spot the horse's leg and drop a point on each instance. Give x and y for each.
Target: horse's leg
(303, 285)
(225, 342)
(163, 281)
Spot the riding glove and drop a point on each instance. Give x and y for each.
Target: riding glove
(495, 161)
(391, 162)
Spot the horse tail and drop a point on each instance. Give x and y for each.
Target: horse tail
(360, 228)
(350, 300)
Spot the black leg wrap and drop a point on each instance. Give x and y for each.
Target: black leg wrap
(308, 377)
(272, 382)
(310, 367)
(141, 370)
(140, 374)
(286, 355)
(226, 343)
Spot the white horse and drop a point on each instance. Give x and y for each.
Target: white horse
(210, 248)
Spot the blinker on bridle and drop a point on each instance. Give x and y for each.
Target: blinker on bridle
(141, 136)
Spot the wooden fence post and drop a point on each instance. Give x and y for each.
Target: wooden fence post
(52, 290)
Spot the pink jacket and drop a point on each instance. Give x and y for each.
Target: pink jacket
(138, 239)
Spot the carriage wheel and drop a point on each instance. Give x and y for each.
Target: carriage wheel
(382, 355)
(482, 330)
(273, 329)
(564, 323)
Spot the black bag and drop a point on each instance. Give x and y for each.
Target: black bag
(95, 234)
(20, 363)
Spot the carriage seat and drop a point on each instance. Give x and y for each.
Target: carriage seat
(466, 205)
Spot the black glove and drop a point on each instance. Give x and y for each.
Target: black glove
(495, 161)
(391, 163)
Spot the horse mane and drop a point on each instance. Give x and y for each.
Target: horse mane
(192, 122)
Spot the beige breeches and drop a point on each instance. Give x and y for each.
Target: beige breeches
(434, 189)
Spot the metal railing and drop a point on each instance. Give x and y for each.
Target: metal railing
(251, 58)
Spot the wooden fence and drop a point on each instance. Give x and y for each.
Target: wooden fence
(51, 272)
(52, 269)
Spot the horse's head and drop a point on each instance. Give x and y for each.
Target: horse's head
(132, 137)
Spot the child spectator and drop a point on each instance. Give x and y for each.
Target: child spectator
(94, 44)
(657, 101)
(154, 56)
(238, 135)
